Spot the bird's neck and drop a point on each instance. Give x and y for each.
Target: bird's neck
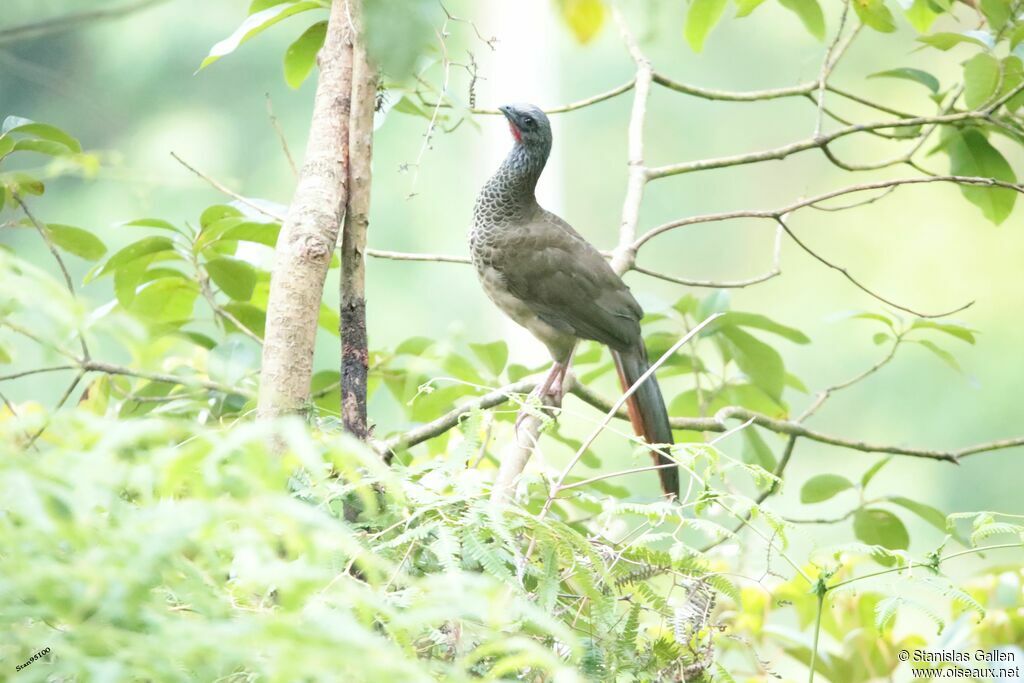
(510, 191)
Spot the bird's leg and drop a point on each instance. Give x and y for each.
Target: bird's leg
(550, 388)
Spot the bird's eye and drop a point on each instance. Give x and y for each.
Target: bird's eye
(528, 122)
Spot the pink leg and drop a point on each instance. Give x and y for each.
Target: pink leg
(551, 387)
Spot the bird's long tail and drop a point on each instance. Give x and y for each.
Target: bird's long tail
(647, 411)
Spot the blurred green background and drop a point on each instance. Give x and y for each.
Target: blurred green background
(128, 90)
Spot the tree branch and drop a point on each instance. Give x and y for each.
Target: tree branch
(68, 22)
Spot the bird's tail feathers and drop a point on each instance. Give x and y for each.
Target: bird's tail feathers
(647, 411)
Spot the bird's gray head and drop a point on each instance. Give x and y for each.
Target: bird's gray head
(529, 126)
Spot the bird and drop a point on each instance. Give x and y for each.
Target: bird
(546, 277)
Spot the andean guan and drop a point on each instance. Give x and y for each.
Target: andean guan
(546, 277)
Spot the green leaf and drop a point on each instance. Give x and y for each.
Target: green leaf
(997, 12)
(48, 147)
(217, 212)
(1013, 75)
(134, 251)
(398, 32)
(745, 7)
(908, 74)
(23, 183)
(874, 14)
(921, 15)
(42, 131)
(970, 154)
(251, 231)
(252, 317)
(233, 360)
(300, 56)
(945, 41)
(127, 279)
(493, 355)
(166, 300)
(750, 397)
(329, 320)
(981, 78)
(822, 487)
(716, 302)
(414, 346)
(153, 223)
(5, 356)
(875, 526)
(873, 470)
(959, 331)
(253, 25)
(926, 512)
(236, 278)
(584, 17)
(76, 241)
(943, 355)
(760, 362)
(794, 382)
(1016, 37)
(756, 451)
(761, 322)
(701, 18)
(810, 14)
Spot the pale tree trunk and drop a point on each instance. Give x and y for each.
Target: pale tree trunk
(310, 231)
(354, 353)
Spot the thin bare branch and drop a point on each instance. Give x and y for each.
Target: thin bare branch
(573, 106)
(71, 21)
(773, 214)
(281, 136)
(407, 256)
(816, 142)
(36, 371)
(861, 286)
(42, 230)
(221, 187)
(828, 63)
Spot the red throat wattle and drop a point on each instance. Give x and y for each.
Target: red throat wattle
(515, 132)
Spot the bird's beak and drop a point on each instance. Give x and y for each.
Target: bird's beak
(513, 125)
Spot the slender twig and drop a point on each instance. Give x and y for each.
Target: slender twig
(820, 141)
(36, 371)
(861, 286)
(573, 106)
(281, 136)
(113, 369)
(216, 184)
(407, 256)
(42, 230)
(60, 404)
(828, 63)
(773, 214)
(826, 393)
(775, 271)
(67, 22)
(931, 563)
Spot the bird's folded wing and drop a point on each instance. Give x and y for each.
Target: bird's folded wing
(569, 285)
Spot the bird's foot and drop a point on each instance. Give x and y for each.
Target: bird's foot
(548, 393)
